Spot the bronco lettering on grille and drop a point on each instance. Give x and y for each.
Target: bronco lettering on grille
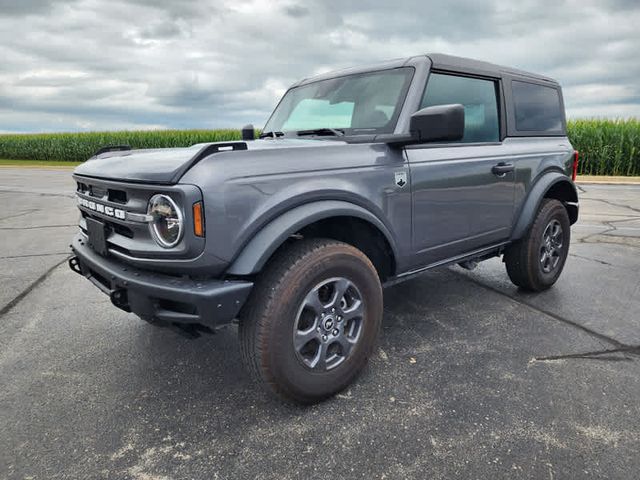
(100, 208)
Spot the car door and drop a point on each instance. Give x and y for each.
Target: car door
(462, 192)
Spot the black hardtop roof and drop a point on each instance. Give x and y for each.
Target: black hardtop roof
(449, 62)
(440, 61)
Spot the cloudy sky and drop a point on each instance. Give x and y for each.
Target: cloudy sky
(74, 65)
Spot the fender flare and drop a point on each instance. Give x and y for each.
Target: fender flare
(534, 199)
(259, 249)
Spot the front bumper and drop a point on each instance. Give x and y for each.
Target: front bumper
(157, 296)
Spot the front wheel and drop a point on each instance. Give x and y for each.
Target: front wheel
(536, 261)
(312, 320)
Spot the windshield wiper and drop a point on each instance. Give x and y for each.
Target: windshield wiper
(321, 131)
(271, 134)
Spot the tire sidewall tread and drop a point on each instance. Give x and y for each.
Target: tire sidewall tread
(521, 257)
(265, 322)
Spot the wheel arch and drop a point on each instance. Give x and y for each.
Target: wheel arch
(554, 185)
(338, 220)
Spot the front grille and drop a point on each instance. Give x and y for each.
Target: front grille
(122, 230)
(119, 231)
(98, 191)
(117, 196)
(122, 207)
(112, 226)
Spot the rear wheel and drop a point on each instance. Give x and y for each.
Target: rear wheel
(312, 320)
(536, 261)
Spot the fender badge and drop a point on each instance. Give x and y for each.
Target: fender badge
(401, 179)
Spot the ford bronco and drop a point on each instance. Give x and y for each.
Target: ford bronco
(360, 179)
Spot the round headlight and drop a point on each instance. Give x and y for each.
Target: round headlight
(167, 222)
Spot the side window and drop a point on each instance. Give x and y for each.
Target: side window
(537, 108)
(478, 97)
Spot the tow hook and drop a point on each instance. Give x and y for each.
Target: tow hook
(74, 265)
(120, 299)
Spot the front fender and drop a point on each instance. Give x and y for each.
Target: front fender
(260, 248)
(534, 199)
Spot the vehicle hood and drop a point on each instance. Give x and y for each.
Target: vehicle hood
(168, 165)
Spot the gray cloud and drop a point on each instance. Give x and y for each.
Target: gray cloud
(28, 7)
(296, 11)
(161, 30)
(105, 64)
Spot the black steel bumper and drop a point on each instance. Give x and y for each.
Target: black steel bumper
(157, 296)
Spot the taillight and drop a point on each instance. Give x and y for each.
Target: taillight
(198, 220)
(574, 173)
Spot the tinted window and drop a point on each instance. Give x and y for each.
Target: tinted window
(537, 107)
(316, 113)
(358, 104)
(478, 97)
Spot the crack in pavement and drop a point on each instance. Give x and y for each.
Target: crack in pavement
(16, 300)
(628, 216)
(15, 215)
(555, 316)
(609, 227)
(608, 355)
(591, 259)
(41, 194)
(602, 355)
(39, 226)
(613, 204)
(34, 255)
(604, 242)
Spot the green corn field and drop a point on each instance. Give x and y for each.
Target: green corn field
(77, 147)
(607, 147)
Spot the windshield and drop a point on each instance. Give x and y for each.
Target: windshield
(354, 104)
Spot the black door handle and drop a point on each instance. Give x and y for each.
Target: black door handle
(502, 169)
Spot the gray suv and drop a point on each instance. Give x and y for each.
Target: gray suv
(360, 179)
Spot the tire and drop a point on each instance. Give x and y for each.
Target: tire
(282, 326)
(535, 262)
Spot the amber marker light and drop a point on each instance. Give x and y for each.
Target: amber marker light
(198, 219)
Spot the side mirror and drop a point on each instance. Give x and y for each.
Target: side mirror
(248, 133)
(438, 123)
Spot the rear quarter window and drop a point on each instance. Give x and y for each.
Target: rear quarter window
(537, 108)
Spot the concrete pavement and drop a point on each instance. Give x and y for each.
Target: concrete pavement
(472, 378)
